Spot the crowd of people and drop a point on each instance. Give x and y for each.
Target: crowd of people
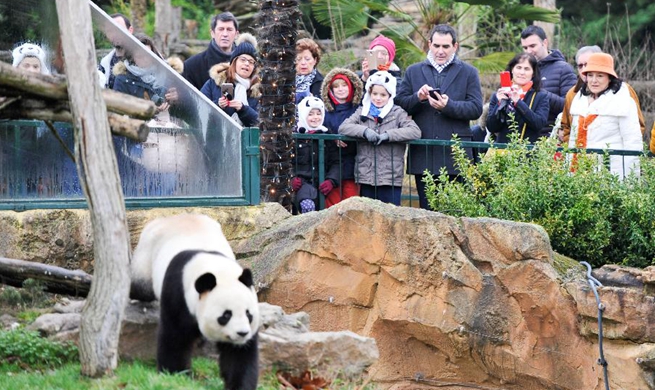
(383, 106)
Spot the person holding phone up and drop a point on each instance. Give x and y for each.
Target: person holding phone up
(234, 86)
(519, 105)
(379, 56)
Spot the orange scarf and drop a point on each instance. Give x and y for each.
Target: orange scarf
(581, 140)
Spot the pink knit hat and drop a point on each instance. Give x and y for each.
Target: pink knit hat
(385, 42)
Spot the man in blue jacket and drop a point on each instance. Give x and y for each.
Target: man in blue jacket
(442, 94)
(224, 29)
(557, 75)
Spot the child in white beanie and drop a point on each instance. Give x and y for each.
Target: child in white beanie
(380, 163)
(311, 113)
(31, 58)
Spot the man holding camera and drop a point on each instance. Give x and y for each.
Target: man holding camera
(442, 94)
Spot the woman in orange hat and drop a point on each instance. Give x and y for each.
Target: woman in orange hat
(605, 116)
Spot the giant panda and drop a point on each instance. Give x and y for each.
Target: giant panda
(186, 263)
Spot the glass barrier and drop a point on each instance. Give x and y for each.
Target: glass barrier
(193, 150)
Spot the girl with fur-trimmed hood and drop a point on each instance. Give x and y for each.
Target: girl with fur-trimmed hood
(242, 73)
(342, 92)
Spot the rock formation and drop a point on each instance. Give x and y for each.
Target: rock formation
(468, 302)
(451, 302)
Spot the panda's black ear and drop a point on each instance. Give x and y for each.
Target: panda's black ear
(205, 283)
(246, 277)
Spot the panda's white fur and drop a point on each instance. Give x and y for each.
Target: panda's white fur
(163, 238)
(188, 253)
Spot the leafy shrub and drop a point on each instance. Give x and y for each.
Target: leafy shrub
(29, 348)
(32, 294)
(590, 215)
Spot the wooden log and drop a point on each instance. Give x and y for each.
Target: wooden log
(56, 280)
(122, 125)
(129, 105)
(37, 84)
(32, 84)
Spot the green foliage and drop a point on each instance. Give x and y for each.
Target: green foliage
(32, 294)
(347, 18)
(590, 215)
(28, 349)
(136, 375)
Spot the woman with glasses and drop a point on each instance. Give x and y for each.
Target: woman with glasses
(240, 99)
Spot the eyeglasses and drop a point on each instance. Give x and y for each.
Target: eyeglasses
(246, 60)
(580, 66)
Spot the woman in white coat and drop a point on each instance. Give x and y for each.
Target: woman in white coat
(605, 116)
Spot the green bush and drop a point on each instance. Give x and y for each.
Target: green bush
(590, 215)
(28, 348)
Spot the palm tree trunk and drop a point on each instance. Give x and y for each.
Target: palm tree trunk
(277, 41)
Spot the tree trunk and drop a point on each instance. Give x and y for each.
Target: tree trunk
(139, 10)
(277, 41)
(96, 166)
(163, 25)
(549, 28)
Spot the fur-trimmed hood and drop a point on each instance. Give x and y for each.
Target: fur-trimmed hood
(358, 87)
(119, 68)
(218, 73)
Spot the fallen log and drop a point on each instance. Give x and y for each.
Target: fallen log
(56, 280)
(123, 125)
(55, 88)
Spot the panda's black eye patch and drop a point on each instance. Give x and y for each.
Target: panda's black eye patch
(225, 318)
(249, 316)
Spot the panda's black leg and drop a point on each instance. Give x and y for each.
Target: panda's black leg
(239, 365)
(176, 337)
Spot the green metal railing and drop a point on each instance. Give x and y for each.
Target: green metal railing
(11, 152)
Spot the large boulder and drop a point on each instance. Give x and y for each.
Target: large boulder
(475, 302)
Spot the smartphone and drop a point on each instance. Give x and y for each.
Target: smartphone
(372, 58)
(227, 90)
(505, 79)
(435, 93)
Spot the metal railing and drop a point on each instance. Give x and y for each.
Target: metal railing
(37, 173)
(409, 194)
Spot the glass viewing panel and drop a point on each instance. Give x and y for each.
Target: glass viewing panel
(193, 149)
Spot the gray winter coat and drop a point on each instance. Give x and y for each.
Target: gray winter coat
(381, 165)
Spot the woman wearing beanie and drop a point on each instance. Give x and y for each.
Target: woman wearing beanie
(603, 115)
(242, 73)
(385, 50)
(308, 78)
(380, 162)
(342, 92)
(31, 58)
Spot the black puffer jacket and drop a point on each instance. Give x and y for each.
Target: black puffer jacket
(557, 77)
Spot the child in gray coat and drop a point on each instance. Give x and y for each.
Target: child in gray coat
(380, 162)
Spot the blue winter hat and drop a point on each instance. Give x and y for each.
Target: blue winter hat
(246, 44)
